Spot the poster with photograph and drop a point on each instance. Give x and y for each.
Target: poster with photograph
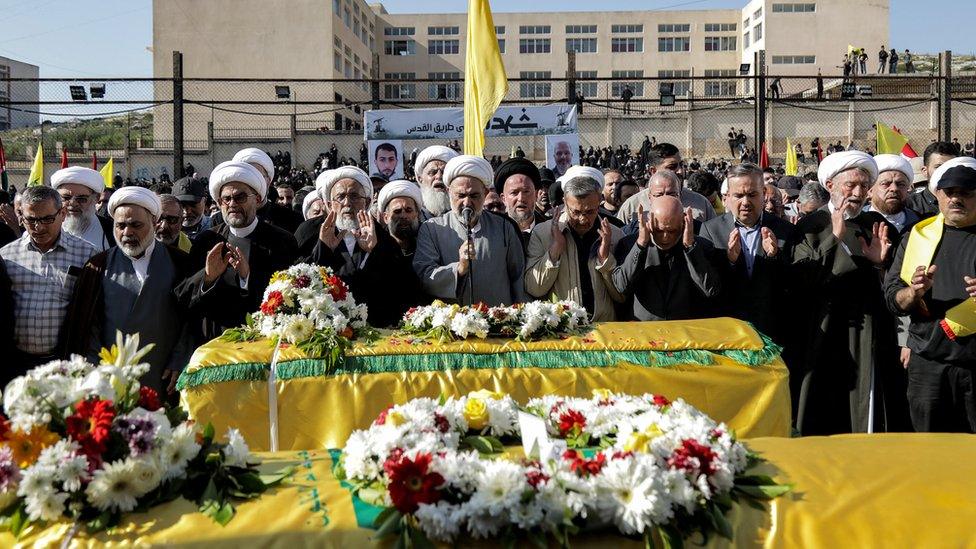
(386, 159)
(562, 151)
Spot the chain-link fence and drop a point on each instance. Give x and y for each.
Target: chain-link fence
(133, 120)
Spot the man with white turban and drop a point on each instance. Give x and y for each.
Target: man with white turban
(889, 194)
(235, 259)
(276, 214)
(358, 249)
(429, 169)
(79, 189)
(846, 340)
(130, 288)
(468, 256)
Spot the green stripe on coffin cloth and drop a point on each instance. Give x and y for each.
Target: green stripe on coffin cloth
(366, 513)
(247, 371)
(769, 352)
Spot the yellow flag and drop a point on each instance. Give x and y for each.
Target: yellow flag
(889, 141)
(485, 83)
(106, 172)
(37, 169)
(791, 163)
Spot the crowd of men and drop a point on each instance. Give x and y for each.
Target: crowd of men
(868, 317)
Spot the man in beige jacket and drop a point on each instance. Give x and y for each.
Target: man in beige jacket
(570, 256)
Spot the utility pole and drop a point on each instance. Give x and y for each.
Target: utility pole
(177, 115)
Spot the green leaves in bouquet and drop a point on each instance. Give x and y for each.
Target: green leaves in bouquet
(391, 522)
(483, 444)
(15, 518)
(248, 332)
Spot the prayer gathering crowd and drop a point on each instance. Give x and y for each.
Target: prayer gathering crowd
(822, 265)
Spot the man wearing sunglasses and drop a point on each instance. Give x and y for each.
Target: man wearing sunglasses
(235, 259)
(80, 189)
(43, 266)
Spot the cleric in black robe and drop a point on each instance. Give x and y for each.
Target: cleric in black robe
(235, 261)
(845, 340)
(517, 181)
(129, 288)
(940, 253)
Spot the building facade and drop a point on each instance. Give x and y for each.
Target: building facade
(14, 116)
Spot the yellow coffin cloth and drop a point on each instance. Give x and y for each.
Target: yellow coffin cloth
(722, 366)
(908, 490)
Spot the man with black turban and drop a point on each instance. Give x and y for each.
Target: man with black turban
(516, 182)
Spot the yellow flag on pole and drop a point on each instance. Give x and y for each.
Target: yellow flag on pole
(889, 141)
(791, 163)
(485, 83)
(106, 172)
(37, 169)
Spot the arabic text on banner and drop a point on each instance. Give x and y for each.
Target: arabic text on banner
(449, 123)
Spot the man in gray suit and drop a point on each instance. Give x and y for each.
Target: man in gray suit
(129, 288)
(667, 271)
(749, 253)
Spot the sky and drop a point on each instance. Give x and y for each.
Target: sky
(111, 38)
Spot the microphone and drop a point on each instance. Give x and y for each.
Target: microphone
(466, 215)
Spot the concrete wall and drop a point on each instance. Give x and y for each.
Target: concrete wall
(10, 117)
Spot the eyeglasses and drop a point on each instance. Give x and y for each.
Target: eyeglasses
(237, 198)
(80, 199)
(351, 197)
(171, 219)
(35, 221)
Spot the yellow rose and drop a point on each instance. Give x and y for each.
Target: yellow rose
(486, 394)
(476, 413)
(395, 419)
(639, 442)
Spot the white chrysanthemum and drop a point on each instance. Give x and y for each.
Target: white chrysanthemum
(297, 329)
(236, 453)
(178, 449)
(148, 473)
(37, 479)
(440, 521)
(45, 505)
(630, 494)
(114, 486)
(499, 486)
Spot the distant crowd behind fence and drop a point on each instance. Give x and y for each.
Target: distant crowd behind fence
(305, 117)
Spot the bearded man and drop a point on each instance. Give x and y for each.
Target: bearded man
(429, 169)
(79, 189)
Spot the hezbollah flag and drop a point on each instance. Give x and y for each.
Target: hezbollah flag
(3, 168)
(891, 141)
(106, 172)
(485, 83)
(791, 163)
(37, 169)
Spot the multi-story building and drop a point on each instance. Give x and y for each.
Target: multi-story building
(15, 116)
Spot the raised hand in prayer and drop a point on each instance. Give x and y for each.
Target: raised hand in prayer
(237, 260)
(327, 232)
(645, 226)
(366, 236)
(606, 240)
(769, 243)
(970, 285)
(8, 216)
(922, 280)
(558, 240)
(689, 237)
(735, 245)
(877, 250)
(838, 223)
(216, 263)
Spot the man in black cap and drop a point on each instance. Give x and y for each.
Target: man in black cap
(923, 200)
(933, 281)
(542, 202)
(517, 182)
(192, 194)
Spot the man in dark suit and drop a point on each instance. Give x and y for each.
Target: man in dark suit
(235, 260)
(667, 271)
(749, 253)
(516, 182)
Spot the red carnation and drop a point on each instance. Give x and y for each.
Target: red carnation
(571, 422)
(661, 401)
(270, 305)
(4, 428)
(412, 483)
(536, 477)
(91, 424)
(582, 466)
(693, 457)
(337, 288)
(301, 281)
(149, 398)
(441, 423)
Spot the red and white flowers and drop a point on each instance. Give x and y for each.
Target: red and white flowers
(633, 463)
(523, 321)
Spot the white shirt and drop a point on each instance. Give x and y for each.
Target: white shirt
(243, 232)
(94, 235)
(830, 206)
(141, 265)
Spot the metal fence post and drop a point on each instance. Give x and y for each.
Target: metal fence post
(177, 114)
(945, 97)
(760, 93)
(570, 77)
(374, 85)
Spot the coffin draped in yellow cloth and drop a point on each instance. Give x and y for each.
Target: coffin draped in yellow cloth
(893, 490)
(722, 366)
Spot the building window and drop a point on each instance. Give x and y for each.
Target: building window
(626, 44)
(443, 31)
(400, 47)
(674, 27)
(337, 60)
(532, 90)
(757, 32)
(588, 89)
(794, 8)
(400, 90)
(535, 29)
(347, 69)
(680, 87)
(501, 45)
(757, 14)
(450, 91)
(443, 47)
(499, 29)
(580, 29)
(581, 45)
(745, 39)
(720, 27)
(534, 45)
(794, 59)
(337, 6)
(720, 88)
(398, 31)
(347, 17)
(337, 42)
(676, 43)
(719, 43)
(626, 29)
(616, 88)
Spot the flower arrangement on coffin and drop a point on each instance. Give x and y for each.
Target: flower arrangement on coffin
(307, 306)
(662, 467)
(523, 321)
(88, 443)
